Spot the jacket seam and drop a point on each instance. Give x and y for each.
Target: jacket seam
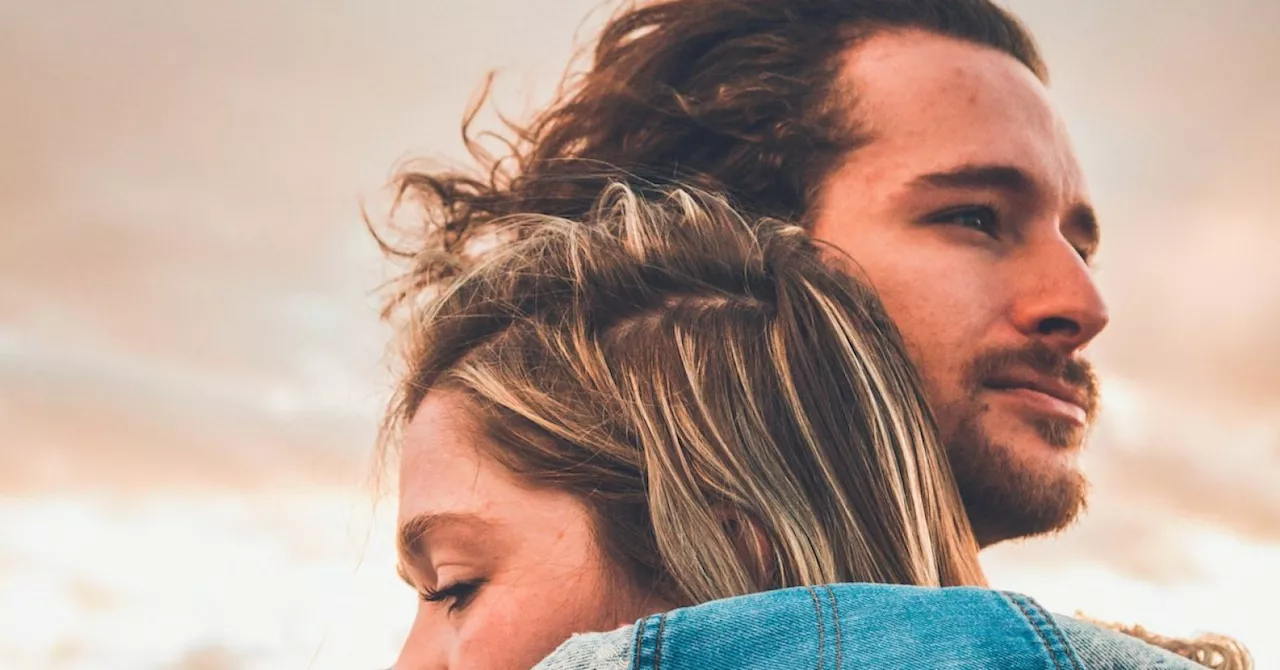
(657, 647)
(1062, 637)
(1029, 609)
(835, 621)
(639, 642)
(1044, 641)
(817, 610)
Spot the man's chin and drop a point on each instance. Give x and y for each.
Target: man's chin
(1017, 478)
(1038, 445)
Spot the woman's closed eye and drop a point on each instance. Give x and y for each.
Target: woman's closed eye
(456, 595)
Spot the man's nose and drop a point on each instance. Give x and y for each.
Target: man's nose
(1058, 302)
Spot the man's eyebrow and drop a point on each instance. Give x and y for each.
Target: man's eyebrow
(1002, 177)
(412, 532)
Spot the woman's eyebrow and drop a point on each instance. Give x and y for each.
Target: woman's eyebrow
(416, 529)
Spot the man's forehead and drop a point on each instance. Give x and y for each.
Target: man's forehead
(894, 65)
(933, 104)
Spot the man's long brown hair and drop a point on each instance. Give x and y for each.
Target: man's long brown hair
(741, 97)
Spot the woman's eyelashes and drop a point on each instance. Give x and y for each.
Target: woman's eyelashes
(456, 595)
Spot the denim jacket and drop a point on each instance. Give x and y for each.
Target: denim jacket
(862, 626)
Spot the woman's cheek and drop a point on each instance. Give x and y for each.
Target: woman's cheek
(503, 633)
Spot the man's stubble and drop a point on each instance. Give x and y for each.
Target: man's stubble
(1005, 495)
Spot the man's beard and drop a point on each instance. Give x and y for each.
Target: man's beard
(1005, 497)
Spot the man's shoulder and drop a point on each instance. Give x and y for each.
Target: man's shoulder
(833, 626)
(863, 626)
(857, 625)
(1101, 649)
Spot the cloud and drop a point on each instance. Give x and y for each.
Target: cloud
(213, 657)
(274, 579)
(1191, 456)
(186, 288)
(96, 420)
(1163, 467)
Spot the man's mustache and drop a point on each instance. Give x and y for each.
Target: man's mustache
(1043, 360)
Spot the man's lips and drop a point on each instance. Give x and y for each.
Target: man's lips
(1047, 393)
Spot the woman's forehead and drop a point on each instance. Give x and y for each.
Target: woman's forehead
(442, 470)
(445, 469)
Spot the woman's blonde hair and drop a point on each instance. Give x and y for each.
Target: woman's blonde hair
(689, 374)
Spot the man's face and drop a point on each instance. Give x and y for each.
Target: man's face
(967, 211)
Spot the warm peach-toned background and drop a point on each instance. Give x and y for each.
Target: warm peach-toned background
(190, 361)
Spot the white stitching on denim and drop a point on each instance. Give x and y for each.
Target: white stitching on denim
(635, 653)
(1057, 632)
(817, 609)
(835, 619)
(657, 647)
(1026, 614)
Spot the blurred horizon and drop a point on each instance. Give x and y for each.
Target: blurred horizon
(192, 366)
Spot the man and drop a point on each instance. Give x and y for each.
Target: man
(914, 135)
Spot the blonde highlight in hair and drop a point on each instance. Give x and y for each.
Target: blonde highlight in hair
(691, 374)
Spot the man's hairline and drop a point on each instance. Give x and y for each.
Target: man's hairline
(843, 92)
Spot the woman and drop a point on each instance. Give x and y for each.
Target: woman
(668, 406)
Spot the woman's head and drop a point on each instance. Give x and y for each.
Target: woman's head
(662, 405)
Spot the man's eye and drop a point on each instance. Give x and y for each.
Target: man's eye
(981, 219)
(1086, 255)
(456, 595)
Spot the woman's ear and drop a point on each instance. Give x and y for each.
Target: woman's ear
(751, 544)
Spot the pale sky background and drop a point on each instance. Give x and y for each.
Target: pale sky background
(191, 366)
